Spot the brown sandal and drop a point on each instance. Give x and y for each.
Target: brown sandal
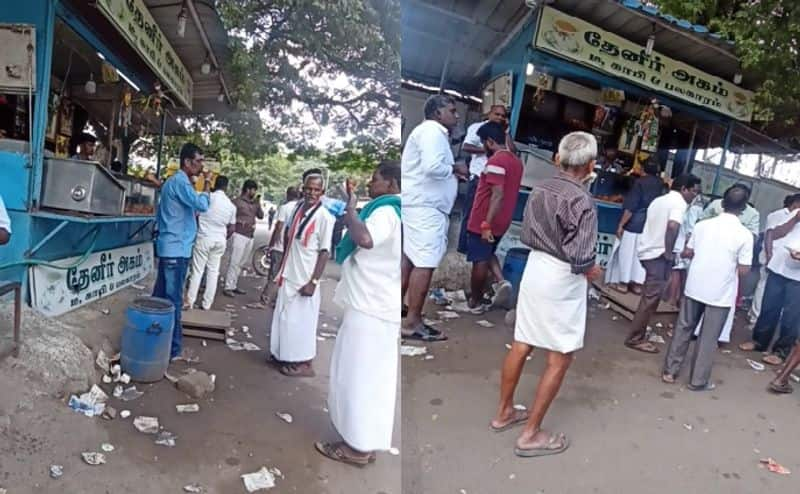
(642, 346)
(519, 418)
(292, 370)
(335, 452)
(748, 346)
(668, 378)
(772, 359)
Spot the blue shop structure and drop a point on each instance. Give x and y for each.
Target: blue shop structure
(644, 83)
(126, 71)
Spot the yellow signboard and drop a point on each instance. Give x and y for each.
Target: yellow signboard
(137, 25)
(582, 42)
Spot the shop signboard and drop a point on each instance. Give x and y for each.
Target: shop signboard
(136, 24)
(57, 291)
(579, 41)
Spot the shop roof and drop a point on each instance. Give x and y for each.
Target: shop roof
(477, 31)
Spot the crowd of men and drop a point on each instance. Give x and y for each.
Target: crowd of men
(669, 248)
(197, 227)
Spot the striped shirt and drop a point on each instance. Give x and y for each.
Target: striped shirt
(560, 219)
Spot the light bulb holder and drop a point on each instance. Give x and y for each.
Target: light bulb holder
(529, 69)
(205, 69)
(737, 78)
(651, 43)
(183, 16)
(90, 87)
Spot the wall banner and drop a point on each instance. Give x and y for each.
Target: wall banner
(57, 291)
(579, 41)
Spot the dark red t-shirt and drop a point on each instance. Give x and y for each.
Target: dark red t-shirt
(504, 169)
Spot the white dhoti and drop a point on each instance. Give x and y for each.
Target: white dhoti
(551, 309)
(363, 383)
(623, 264)
(293, 335)
(424, 236)
(725, 336)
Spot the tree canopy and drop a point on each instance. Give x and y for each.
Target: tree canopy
(767, 37)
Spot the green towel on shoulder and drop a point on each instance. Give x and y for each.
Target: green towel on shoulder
(347, 246)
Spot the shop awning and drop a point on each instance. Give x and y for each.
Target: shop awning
(473, 33)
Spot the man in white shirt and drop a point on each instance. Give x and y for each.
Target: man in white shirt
(276, 238)
(293, 335)
(721, 250)
(363, 376)
(781, 295)
(656, 244)
(5, 224)
(473, 145)
(430, 178)
(215, 226)
(778, 217)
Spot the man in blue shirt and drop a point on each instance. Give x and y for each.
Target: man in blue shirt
(178, 206)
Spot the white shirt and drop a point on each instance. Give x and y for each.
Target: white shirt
(720, 245)
(282, 216)
(669, 207)
(774, 219)
(221, 212)
(478, 162)
(5, 221)
(302, 256)
(427, 169)
(370, 280)
(781, 262)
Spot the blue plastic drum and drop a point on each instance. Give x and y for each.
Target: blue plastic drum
(513, 267)
(147, 338)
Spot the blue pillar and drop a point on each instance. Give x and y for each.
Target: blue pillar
(726, 144)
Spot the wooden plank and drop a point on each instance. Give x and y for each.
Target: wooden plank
(630, 301)
(206, 319)
(208, 334)
(619, 309)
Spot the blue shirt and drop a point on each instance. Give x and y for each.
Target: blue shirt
(177, 225)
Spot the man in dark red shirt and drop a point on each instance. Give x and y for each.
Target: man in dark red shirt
(492, 211)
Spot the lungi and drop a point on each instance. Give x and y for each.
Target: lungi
(293, 335)
(363, 383)
(424, 236)
(551, 308)
(623, 264)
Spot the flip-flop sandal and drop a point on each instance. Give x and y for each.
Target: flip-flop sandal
(783, 389)
(547, 450)
(705, 387)
(334, 452)
(747, 346)
(295, 371)
(502, 296)
(426, 333)
(668, 378)
(772, 360)
(520, 417)
(643, 346)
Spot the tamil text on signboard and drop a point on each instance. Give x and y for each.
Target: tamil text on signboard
(56, 291)
(137, 25)
(582, 42)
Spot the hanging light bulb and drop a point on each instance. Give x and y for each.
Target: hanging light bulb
(183, 16)
(529, 69)
(651, 42)
(91, 86)
(221, 95)
(205, 69)
(737, 77)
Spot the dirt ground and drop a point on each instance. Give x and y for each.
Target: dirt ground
(630, 432)
(235, 432)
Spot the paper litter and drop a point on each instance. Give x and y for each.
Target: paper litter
(447, 314)
(250, 347)
(131, 394)
(93, 458)
(146, 425)
(775, 467)
(56, 471)
(412, 351)
(286, 417)
(234, 345)
(166, 438)
(190, 408)
(757, 366)
(125, 414)
(656, 338)
(193, 488)
(262, 479)
(484, 323)
(107, 447)
(92, 403)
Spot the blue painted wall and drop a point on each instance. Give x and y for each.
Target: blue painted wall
(514, 58)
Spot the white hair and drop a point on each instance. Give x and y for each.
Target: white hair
(577, 149)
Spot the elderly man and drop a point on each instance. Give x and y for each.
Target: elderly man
(474, 146)
(5, 224)
(248, 208)
(431, 184)
(492, 212)
(215, 226)
(781, 295)
(177, 226)
(656, 252)
(720, 248)
(560, 225)
(363, 382)
(293, 336)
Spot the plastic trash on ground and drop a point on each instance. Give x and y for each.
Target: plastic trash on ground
(93, 458)
(286, 417)
(190, 408)
(775, 467)
(484, 323)
(439, 298)
(412, 351)
(131, 394)
(146, 425)
(193, 488)
(262, 479)
(166, 438)
(56, 471)
(91, 403)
